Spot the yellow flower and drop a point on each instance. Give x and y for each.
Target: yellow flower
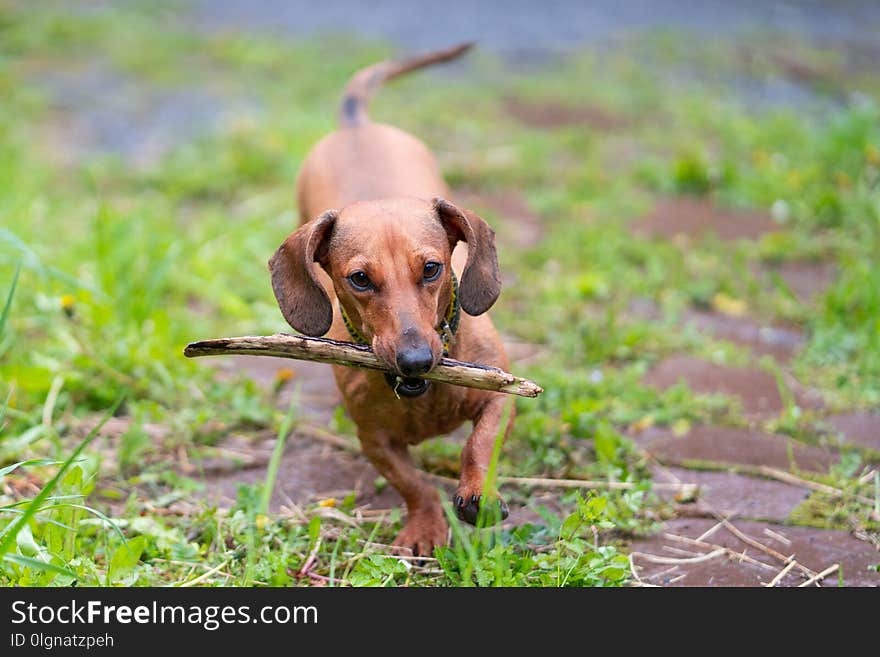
(642, 424)
(284, 375)
(68, 301)
(728, 305)
(329, 502)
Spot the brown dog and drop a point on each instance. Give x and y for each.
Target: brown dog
(373, 262)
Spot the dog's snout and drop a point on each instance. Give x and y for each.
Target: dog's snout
(415, 361)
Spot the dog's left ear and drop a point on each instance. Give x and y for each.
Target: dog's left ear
(480, 282)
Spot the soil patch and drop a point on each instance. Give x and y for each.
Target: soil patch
(312, 382)
(518, 222)
(814, 548)
(694, 218)
(733, 446)
(549, 115)
(310, 471)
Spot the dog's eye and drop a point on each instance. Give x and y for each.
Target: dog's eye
(432, 271)
(360, 281)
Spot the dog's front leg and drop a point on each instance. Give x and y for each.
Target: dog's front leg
(475, 458)
(425, 526)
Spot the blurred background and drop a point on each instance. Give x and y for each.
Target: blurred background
(687, 203)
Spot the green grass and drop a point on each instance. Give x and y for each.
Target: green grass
(109, 268)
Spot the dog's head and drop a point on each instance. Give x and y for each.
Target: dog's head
(390, 264)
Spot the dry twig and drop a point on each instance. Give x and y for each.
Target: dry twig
(585, 483)
(653, 558)
(763, 548)
(732, 553)
(782, 573)
(322, 350)
(818, 577)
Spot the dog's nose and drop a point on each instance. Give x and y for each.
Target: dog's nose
(415, 361)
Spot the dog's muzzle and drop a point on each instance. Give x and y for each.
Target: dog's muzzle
(406, 386)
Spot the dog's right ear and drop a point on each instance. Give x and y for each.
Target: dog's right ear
(301, 297)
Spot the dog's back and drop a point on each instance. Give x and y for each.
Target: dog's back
(364, 160)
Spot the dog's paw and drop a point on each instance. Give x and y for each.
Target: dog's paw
(421, 534)
(467, 508)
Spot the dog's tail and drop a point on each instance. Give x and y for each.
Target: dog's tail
(361, 87)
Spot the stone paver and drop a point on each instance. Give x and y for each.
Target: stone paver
(756, 389)
(779, 342)
(734, 446)
(732, 494)
(694, 218)
(857, 428)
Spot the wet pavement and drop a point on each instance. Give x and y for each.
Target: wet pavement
(521, 26)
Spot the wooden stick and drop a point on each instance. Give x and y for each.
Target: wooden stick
(542, 482)
(205, 575)
(782, 573)
(330, 438)
(714, 528)
(818, 577)
(322, 350)
(731, 553)
(653, 558)
(788, 478)
(763, 548)
(777, 536)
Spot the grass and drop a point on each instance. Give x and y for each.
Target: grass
(112, 266)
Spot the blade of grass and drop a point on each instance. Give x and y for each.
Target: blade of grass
(6, 403)
(488, 517)
(36, 564)
(333, 557)
(9, 468)
(94, 512)
(877, 493)
(8, 305)
(277, 452)
(9, 535)
(39, 516)
(491, 515)
(465, 553)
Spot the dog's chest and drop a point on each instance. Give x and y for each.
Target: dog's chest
(373, 406)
